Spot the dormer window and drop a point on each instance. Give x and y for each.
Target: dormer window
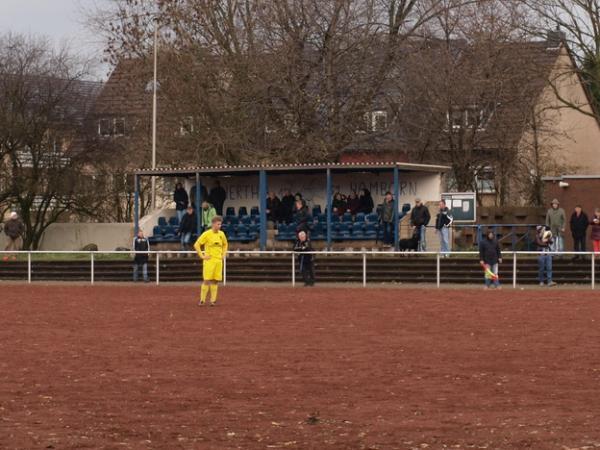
(376, 121)
(111, 127)
(187, 126)
(470, 117)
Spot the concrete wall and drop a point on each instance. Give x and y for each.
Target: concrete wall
(74, 236)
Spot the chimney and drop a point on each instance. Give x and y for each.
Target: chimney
(554, 38)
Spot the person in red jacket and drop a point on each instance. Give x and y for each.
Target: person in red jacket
(595, 223)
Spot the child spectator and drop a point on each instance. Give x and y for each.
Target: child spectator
(489, 257)
(305, 260)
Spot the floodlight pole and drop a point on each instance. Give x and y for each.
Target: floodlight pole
(154, 107)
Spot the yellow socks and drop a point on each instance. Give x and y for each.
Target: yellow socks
(213, 293)
(203, 292)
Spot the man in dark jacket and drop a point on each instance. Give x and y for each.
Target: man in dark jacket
(489, 257)
(443, 221)
(366, 202)
(579, 225)
(419, 218)
(142, 249)
(181, 201)
(301, 216)
(217, 197)
(544, 243)
(273, 207)
(387, 219)
(187, 227)
(287, 207)
(305, 261)
(14, 229)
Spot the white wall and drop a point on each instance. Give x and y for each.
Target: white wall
(243, 190)
(74, 236)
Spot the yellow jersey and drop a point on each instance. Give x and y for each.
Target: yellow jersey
(215, 244)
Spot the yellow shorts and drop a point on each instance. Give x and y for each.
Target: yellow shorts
(212, 270)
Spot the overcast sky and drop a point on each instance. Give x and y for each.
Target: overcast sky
(57, 19)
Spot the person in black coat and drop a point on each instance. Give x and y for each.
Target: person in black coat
(579, 225)
(287, 207)
(305, 261)
(273, 207)
(301, 216)
(181, 201)
(142, 251)
(419, 218)
(366, 202)
(217, 197)
(187, 227)
(490, 256)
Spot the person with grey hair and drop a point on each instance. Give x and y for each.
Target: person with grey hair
(14, 229)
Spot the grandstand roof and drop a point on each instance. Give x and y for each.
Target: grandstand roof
(310, 167)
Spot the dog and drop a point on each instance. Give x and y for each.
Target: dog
(410, 243)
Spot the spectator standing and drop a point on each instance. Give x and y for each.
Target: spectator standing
(287, 207)
(305, 260)
(366, 202)
(353, 205)
(595, 223)
(217, 197)
(419, 218)
(187, 227)
(579, 224)
(142, 251)
(203, 193)
(443, 221)
(208, 212)
(273, 207)
(490, 256)
(181, 201)
(14, 229)
(387, 219)
(544, 242)
(301, 216)
(556, 220)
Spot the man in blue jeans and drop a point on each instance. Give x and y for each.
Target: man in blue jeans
(489, 257)
(187, 226)
(544, 242)
(443, 221)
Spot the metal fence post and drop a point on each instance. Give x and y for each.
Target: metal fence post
(514, 270)
(92, 267)
(293, 271)
(225, 271)
(157, 268)
(593, 271)
(364, 269)
(438, 269)
(29, 267)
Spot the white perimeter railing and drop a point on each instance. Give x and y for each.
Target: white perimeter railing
(293, 255)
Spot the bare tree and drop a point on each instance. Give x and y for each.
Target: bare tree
(43, 100)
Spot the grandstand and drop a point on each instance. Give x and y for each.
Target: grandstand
(245, 210)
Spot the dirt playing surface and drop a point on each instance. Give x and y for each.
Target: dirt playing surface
(143, 367)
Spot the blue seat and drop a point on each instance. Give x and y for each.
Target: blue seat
(343, 231)
(406, 208)
(254, 228)
(370, 231)
(373, 218)
(254, 211)
(360, 217)
(232, 220)
(228, 229)
(358, 230)
(347, 217)
(243, 211)
(321, 218)
(245, 220)
(170, 230)
(318, 232)
(174, 221)
(335, 218)
(157, 231)
(230, 211)
(316, 210)
(162, 221)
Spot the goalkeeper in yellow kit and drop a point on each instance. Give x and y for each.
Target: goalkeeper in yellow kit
(212, 248)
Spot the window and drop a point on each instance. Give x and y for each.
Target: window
(187, 126)
(485, 179)
(375, 121)
(473, 116)
(290, 123)
(111, 127)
